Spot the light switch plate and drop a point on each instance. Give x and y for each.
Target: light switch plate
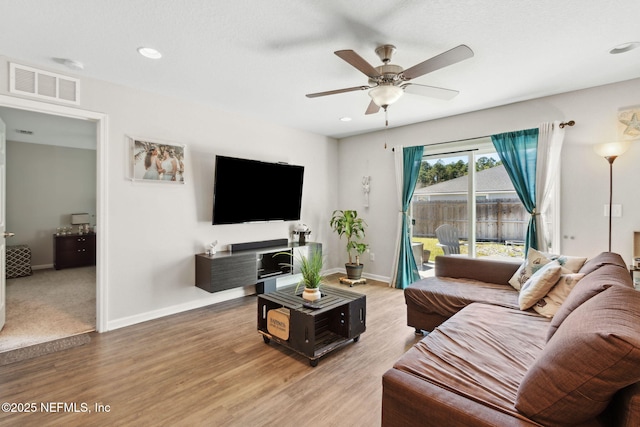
(616, 210)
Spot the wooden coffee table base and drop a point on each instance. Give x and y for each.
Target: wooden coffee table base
(315, 332)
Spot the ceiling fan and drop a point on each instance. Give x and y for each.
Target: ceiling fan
(388, 82)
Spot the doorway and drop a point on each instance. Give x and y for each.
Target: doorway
(99, 120)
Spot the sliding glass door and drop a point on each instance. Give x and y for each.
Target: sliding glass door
(474, 207)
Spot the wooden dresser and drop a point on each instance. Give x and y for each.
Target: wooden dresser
(74, 250)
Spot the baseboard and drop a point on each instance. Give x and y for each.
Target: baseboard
(384, 279)
(365, 275)
(179, 308)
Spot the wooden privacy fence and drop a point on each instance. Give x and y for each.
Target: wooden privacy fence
(496, 220)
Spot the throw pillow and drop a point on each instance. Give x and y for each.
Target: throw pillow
(550, 303)
(535, 260)
(539, 284)
(571, 263)
(594, 353)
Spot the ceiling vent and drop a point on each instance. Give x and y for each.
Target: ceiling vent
(43, 84)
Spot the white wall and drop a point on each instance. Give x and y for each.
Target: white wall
(585, 176)
(155, 230)
(44, 185)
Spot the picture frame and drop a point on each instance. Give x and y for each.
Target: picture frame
(157, 161)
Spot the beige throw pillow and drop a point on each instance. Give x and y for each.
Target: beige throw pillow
(539, 284)
(535, 260)
(550, 303)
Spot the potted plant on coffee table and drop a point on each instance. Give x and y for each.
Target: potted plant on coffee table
(311, 271)
(347, 223)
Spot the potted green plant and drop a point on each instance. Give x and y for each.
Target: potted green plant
(311, 271)
(347, 223)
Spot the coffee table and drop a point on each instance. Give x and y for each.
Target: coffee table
(314, 332)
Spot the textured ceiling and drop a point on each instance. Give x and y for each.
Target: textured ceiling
(259, 58)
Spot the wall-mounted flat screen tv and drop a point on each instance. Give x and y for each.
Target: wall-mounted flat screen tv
(252, 191)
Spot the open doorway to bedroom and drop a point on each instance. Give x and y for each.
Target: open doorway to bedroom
(50, 174)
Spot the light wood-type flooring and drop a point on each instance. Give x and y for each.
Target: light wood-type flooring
(211, 367)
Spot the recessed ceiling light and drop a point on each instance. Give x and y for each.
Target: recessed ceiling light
(624, 47)
(149, 52)
(345, 119)
(70, 63)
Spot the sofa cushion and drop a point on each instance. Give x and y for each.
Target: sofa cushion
(606, 275)
(539, 284)
(594, 353)
(476, 353)
(481, 269)
(447, 296)
(535, 260)
(548, 305)
(604, 258)
(624, 410)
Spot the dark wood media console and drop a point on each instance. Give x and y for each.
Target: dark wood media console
(251, 263)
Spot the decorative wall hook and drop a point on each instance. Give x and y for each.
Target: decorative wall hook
(366, 187)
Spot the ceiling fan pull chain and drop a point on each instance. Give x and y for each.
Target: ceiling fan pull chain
(386, 127)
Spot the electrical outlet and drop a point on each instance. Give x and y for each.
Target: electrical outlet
(372, 256)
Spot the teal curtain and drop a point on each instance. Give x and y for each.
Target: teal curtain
(407, 268)
(518, 152)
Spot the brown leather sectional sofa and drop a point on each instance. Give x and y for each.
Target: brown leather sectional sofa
(486, 362)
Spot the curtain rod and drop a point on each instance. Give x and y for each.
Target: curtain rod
(561, 125)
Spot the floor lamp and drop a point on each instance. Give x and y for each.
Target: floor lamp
(611, 151)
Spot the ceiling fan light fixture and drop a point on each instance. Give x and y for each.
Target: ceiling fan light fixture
(385, 95)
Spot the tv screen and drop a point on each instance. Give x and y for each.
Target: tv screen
(251, 191)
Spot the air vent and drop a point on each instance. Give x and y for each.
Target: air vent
(43, 84)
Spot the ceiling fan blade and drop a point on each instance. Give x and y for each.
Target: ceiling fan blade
(452, 56)
(333, 92)
(430, 91)
(372, 108)
(358, 62)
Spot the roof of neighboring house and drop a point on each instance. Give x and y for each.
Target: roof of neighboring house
(492, 180)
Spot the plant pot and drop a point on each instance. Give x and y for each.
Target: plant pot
(354, 271)
(311, 294)
(426, 254)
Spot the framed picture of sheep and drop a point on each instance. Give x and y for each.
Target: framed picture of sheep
(155, 161)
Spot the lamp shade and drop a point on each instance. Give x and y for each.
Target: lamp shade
(80, 218)
(385, 94)
(611, 149)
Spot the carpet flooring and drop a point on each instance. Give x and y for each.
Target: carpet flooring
(49, 306)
